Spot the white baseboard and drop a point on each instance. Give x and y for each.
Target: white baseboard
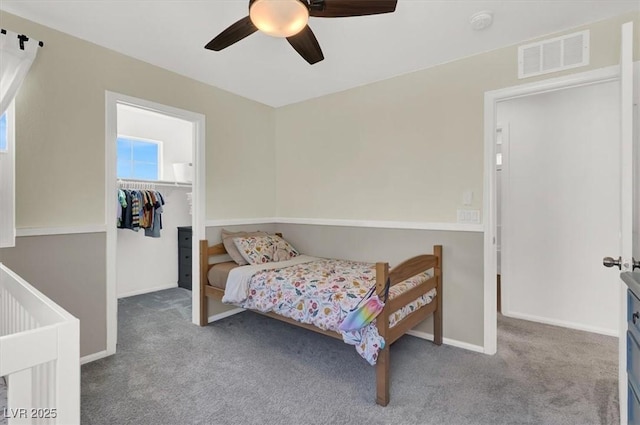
(147, 290)
(93, 357)
(561, 323)
(448, 341)
(220, 316)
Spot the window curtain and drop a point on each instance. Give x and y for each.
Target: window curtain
(15, 60)
(16, 57)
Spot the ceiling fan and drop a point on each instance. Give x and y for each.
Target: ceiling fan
(288, 19)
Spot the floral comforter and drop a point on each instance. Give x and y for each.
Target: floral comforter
(322, 292)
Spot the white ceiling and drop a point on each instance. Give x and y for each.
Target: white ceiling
(360, 50)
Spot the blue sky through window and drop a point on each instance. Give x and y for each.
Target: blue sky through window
(137, 159)
(3, 132)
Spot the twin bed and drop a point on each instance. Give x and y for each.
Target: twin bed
(317, 294)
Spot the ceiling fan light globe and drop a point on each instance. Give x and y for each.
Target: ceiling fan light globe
(279, 18)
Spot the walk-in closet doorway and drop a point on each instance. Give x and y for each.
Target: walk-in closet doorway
(154, 155)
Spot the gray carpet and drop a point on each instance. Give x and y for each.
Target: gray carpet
(3, 401)
(250, 369)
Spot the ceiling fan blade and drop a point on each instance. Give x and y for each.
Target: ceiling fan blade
(344, 8)
(306, 44)
(236, 32)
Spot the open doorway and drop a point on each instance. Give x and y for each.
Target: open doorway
(492, 239)
(558, 208)
(557, 214)
(154, 175)
(156, 151)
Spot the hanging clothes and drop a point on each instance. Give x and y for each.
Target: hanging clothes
(122, 203)
(140, 209)
(154, 230)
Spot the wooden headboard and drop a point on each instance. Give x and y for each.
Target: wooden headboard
(205, 253)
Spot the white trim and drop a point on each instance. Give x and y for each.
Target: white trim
(239, 221)
(448, 341)
(111, 134)
(222, 315)
(147, 290)
(93, 357)
(381, 224)
(198, 218)
(8, 182)
(491, 99)
(602, 75)
(71, 230)
(561, 323)
(112, 99)
(627, 188)
(101, 228)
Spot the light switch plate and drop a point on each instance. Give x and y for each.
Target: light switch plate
(467, 197)
(469, 216)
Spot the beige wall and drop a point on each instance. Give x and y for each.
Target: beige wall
(401, 149)
(405, 148)
(69, 269)
(60, 171)
(60, 128)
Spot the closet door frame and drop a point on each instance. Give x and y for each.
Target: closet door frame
(112, 100)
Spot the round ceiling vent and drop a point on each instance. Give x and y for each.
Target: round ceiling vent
(481, 20)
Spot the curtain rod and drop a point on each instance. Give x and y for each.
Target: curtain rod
(22, 39)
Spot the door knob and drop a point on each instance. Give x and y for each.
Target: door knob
(610, 262)
(635, 263)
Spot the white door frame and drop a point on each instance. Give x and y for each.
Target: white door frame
(198, 217)
(491, 100)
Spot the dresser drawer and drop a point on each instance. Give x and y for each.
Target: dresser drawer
(633, 359)
(184, 278)
(184, 237)
(633, 311)
(634, 407)
(184, 257)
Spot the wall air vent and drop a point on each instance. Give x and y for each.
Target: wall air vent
(554, 54)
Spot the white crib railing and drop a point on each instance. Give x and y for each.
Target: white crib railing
(39, 355)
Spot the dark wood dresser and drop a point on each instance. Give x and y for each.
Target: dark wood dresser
(184, 257)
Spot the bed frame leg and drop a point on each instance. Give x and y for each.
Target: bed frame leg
(437, 315)
(382, 322)
(382, 377)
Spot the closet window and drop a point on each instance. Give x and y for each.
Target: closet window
(138, 159)
(3, 133)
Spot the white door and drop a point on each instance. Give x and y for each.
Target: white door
(627, 190)
(560, 180)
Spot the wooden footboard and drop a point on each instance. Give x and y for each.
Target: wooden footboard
(398, 274)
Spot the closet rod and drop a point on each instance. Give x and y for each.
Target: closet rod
(161, 183)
